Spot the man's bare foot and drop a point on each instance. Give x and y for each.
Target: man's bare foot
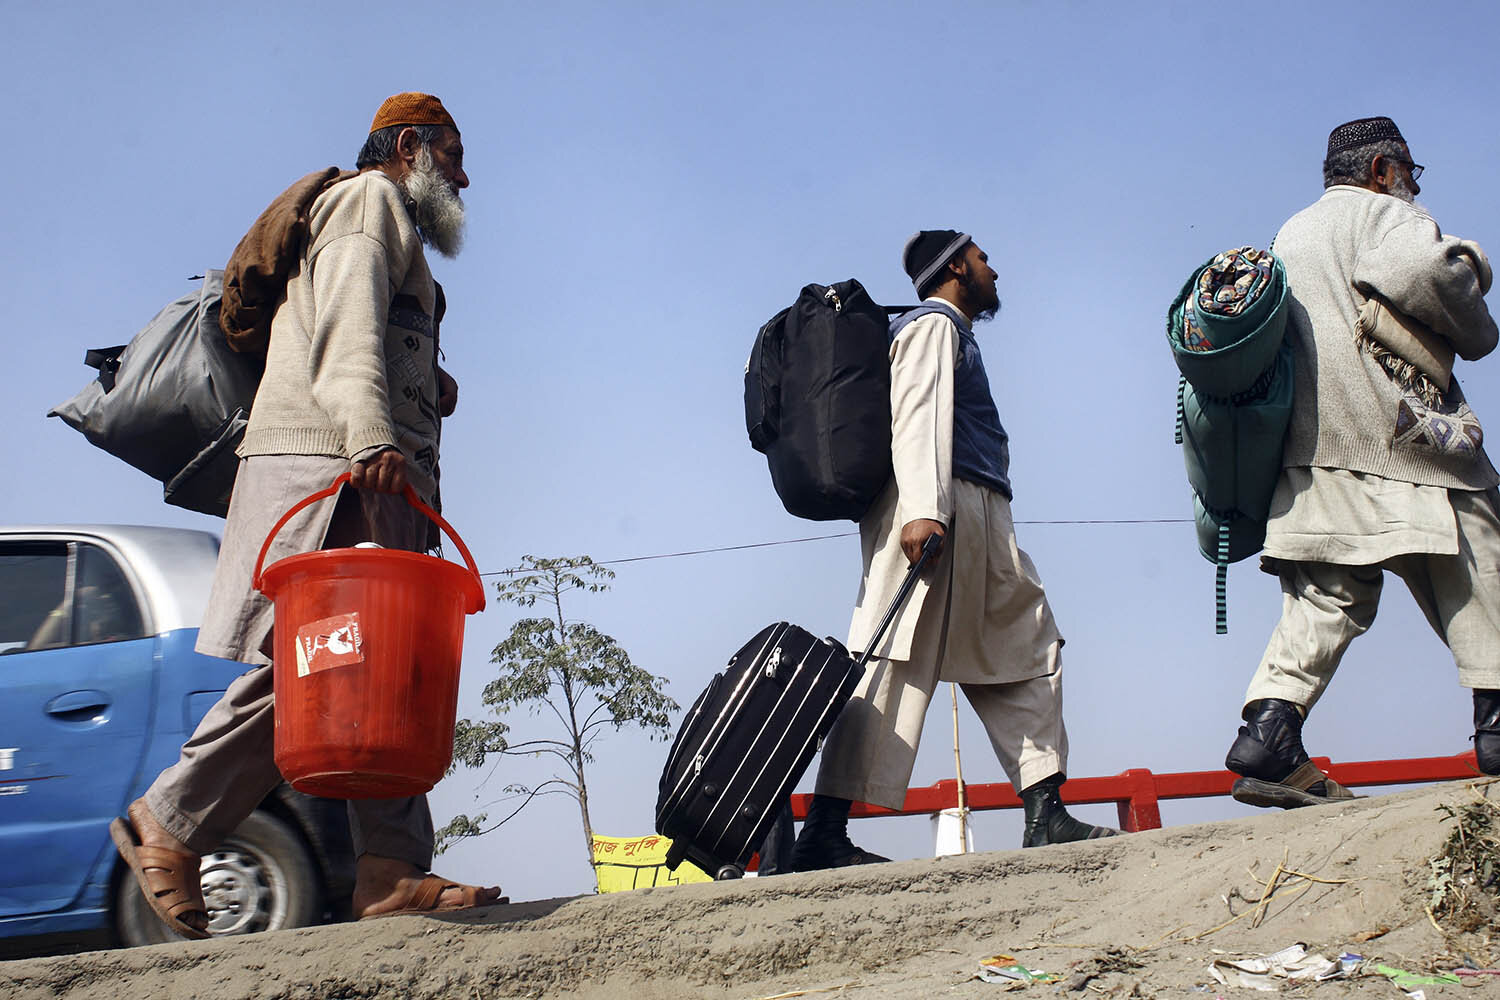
(175, 877)
(387, 886)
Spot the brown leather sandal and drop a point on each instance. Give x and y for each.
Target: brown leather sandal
(168, 879)
(426, 897)
(1293, 791)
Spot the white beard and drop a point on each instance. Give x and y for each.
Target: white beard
(435, 205)
(1400, 189)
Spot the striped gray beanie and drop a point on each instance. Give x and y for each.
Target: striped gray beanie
(928, 252)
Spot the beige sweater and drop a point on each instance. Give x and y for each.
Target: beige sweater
(1347, 412)
(346, 371)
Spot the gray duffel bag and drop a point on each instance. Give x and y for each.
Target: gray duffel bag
(174, 401)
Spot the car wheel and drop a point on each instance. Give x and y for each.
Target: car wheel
(262, 878)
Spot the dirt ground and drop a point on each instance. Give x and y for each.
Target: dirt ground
(1137, 916)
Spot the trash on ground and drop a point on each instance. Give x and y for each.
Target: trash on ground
(1290, 964)
(1349, 965)
(1406, 980)
(1005, 969)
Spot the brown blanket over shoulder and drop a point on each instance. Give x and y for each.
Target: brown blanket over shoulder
(255, 277)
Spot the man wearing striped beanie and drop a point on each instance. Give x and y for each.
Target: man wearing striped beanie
(980, 617)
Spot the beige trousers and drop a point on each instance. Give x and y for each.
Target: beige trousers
(1326, 605)
(226, 767)
(869, 754)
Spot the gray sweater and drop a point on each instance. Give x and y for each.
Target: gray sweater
(1348, 413)
(346, 372)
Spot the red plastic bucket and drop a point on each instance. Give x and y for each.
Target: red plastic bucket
(367, 651)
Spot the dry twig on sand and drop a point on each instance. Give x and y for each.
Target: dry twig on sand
(1280, 885)
(808, 993)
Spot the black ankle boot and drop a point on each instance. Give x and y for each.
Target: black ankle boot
(824, 840)
(1047, 822)
(776, 849)
(1269, 746)
(1487, 729)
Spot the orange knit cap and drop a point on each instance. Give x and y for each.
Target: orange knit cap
(412, 108)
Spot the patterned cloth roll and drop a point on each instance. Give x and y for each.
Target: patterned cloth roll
(1228, 286)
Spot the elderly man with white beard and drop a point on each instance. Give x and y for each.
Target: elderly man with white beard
(351, 384)
(1384, 466)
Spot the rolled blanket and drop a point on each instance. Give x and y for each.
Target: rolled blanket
(1228, 286)
(1227, 323)
(1418, 359)
(1227, 330)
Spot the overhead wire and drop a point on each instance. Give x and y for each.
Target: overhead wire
(820, 538)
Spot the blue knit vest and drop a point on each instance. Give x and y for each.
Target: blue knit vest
(981, 448)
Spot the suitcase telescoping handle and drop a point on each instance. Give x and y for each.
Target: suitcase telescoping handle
(929, 549)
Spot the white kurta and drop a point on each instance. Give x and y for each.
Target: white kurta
(1000, 626)
(1356, 519)
(979, 616)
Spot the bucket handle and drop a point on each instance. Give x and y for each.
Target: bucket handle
(411, 498)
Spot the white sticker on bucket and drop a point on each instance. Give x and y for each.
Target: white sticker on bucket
(332, 642)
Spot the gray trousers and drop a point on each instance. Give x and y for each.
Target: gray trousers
(226, 768)
(1326, 605)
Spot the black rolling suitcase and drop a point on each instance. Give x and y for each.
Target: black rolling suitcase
(749, 737)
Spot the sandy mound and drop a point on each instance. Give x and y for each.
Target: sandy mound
(1142, 915)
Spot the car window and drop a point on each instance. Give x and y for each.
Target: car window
(33, 585)
(104, 606)
(55, 594)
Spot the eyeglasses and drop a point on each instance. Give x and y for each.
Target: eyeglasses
(1415, 169)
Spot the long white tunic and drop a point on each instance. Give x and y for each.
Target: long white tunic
(999, 625)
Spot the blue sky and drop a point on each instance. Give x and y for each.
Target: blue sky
(651, 183)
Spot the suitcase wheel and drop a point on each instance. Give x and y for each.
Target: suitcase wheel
(675, 856)
(728, 872)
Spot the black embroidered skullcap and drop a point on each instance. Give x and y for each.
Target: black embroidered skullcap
(928, 252)
(1362, 132)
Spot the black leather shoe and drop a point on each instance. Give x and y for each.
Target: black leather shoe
(1048, 822)
(776, 849)
(840, 852)
(1269, 745)
(1487, 729)
(1274, 766)
(824, 840)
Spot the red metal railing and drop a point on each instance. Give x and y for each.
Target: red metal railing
(1137, 791)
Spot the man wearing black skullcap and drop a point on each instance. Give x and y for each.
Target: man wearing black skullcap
(980, 617)
(1384, 464)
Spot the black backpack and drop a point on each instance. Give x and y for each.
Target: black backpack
(818, 401)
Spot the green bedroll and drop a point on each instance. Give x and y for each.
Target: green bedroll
(1234, 399)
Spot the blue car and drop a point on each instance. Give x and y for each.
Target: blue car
(99, 689)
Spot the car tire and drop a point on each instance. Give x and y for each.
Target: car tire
(262, 878)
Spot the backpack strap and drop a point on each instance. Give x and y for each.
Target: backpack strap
(1221, 581)
(902, 320)
(1181, 413)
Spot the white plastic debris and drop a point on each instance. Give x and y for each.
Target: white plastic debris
(1267, 972)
